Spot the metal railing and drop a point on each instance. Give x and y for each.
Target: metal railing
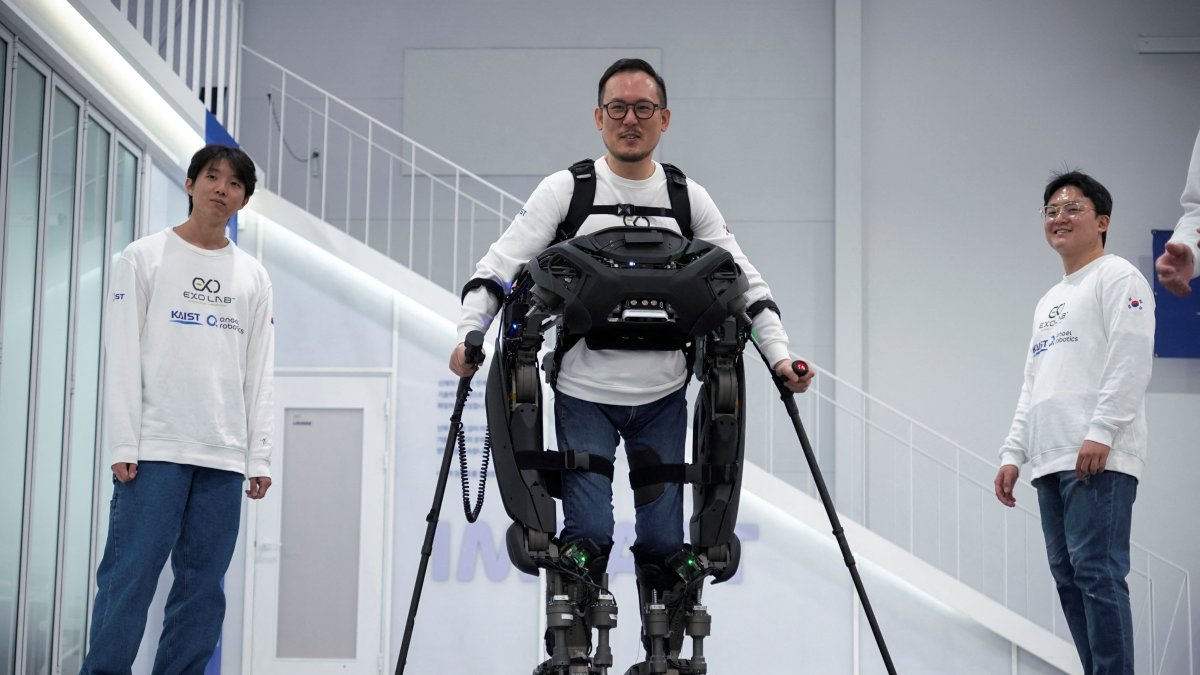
(935, 499)
(903, 480)
(197, 39)
(365, 178)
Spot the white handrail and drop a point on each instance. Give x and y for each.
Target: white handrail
(205, 55)
(380, 172)
(377, 122)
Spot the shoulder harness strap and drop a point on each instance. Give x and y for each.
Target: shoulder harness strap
(584, 172)
(681, 205)
(582, 198)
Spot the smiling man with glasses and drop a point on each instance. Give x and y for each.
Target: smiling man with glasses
(1081, 419)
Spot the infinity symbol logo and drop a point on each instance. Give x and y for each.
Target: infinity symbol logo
(207, 285)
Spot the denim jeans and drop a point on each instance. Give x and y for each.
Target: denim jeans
(1086, 524)
(659, 427)
(192, 514)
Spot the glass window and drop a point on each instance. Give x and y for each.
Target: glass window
(51, 374)
(124, 227)
(81, 463)
(20, 254)
(125, 193)
(3, 81)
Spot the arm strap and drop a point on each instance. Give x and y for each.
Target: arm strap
(758, 307)
(490, 285)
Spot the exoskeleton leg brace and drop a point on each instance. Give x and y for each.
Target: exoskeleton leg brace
(529, 478)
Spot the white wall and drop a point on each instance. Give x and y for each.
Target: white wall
(166, 198)
(967, 109)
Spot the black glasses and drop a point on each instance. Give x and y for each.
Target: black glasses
(643, 110)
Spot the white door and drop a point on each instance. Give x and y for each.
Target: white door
(318, 548)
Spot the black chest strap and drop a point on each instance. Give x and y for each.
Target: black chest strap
(582, 202)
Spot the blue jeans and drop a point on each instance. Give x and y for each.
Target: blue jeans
(192, 514)
(659, 427)
(1086, 524)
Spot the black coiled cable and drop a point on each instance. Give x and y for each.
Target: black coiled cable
(472, 513)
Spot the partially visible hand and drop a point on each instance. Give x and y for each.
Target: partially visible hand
(1175, 267)
(1092, 459)
(1006, 479)
(459, 364)
(125, 471)
(258, 487)
(794, 383)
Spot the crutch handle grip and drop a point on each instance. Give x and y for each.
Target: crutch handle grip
(800, 368)
(474, 345)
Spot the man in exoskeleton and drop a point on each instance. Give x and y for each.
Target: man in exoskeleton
(605, 395)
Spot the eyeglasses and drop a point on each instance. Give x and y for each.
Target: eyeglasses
(643, 110)
(1069, 209)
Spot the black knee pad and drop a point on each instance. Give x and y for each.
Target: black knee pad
(644, 462)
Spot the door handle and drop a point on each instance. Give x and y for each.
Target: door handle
(266, 547)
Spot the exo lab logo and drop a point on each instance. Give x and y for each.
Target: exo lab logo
(207, 291)
(1135, 303)
(209, 285)
(1057, 314)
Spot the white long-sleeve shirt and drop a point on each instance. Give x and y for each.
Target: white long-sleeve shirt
(617, 377)
(1086, 371)
(190, 351)
(1185, 229)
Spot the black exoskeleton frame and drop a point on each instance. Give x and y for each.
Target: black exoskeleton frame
(623, 288)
